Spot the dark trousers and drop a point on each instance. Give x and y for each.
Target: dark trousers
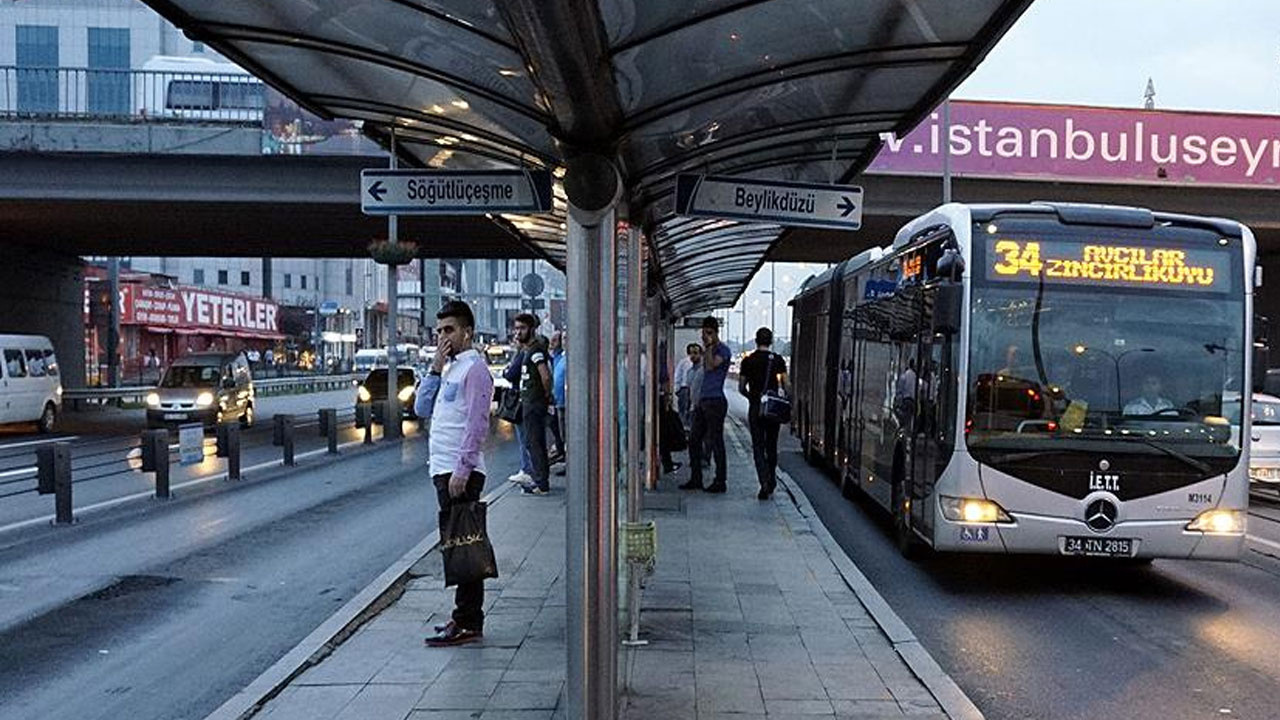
(534, 427)
(708, 428)
(556, 423)
(764, 445)
(468, 598)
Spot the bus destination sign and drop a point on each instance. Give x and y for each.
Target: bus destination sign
(1097, 263)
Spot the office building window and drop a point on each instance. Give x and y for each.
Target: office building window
(108, 77)
(222, 277)
(37, 73)
(349, 284)
(244, 277)
(288, 280)
(197, 276)
(304, 282)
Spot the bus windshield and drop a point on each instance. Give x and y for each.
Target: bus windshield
(1110, 364)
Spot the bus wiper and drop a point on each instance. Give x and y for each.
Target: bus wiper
(1197, 464)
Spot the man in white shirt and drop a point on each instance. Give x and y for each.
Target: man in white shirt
(691, 352)
(1150, 401)
(455, 397)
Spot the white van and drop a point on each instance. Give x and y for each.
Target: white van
(30, 387)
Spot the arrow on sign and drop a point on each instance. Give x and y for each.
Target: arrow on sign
(377, 191)
(846, 206)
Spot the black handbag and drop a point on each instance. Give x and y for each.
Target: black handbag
(673, 438)
(464, 544)
(774, 406)
(509, 406)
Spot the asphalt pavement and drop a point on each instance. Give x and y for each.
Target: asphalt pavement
(1055, 638)
(164, 610)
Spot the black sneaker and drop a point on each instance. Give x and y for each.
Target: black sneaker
(691, 485)
(763, 494)
(672, 467)
(454, 635)
(532, 489)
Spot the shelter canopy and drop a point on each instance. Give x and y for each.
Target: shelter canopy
(792, 90)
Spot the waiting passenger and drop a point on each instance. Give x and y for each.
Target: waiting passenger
(1150, 401)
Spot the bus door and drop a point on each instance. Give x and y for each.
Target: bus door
(934, 432)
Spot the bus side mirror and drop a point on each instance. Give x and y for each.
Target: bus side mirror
(948, 306)
(1261, 353)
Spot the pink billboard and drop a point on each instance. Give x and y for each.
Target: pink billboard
(1062, 142)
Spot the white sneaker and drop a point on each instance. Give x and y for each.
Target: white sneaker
(520, 477)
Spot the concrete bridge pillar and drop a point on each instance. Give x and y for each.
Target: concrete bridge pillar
(42, 293)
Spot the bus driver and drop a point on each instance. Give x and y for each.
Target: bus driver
(1150, 401)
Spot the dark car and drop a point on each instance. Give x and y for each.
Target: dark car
(207, 388)
(373, 389)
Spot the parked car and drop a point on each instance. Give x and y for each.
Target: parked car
(373, 389)
(30, 386)
(208, 388)
(1264, 449)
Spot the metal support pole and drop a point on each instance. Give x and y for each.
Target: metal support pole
(233, 451)
(53, 476)
(636, 413)
(277, 429)
(162, 475)
(651, 405)
(221, 438)
(322, 416)
(590, 523)
(391, 418)
(266, 277)
(364, 419)
(329, 421)
(946, 150)
(113, 326)
(285, 423)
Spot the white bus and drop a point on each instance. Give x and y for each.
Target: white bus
(1041, 378)
(195, 88)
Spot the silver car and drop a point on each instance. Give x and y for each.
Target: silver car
(1264, 451)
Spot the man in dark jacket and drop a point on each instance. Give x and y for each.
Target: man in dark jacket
(763, 371)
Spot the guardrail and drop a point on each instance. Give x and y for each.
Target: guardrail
(79, 397)
(135, 95)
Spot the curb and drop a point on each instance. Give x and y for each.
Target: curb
(954, 702)
(384, 590)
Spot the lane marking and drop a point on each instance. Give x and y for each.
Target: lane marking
(46, 519)
(42, 441)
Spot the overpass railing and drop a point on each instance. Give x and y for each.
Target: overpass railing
(80, 397)
(134, 95)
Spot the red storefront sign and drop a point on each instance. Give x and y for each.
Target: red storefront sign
(198, 309)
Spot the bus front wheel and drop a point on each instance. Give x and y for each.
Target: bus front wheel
(903, 535)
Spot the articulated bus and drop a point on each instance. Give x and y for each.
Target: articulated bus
(1038, 378)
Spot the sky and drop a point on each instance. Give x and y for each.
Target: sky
(1216, 55)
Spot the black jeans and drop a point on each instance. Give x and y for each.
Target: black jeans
(708, 427)
(764, 445)
(533, 426)
(556, 423)
(468, 598)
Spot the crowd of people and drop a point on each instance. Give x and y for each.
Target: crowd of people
(455, 394)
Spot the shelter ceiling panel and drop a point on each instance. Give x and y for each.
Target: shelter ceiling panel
(331, 80)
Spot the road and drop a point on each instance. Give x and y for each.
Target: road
(193, 600)
(1051, 638)
(106, 461)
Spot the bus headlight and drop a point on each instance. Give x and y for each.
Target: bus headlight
(1219, 522)
(363, 394)
(405, 394)
(972, 510)
(153, 399)
(204, 399)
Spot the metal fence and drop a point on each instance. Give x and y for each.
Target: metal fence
(134, 95)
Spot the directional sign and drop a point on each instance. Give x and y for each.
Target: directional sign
(329, 307)
(454, 192)
(786, 203)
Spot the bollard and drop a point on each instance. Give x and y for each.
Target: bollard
(222, 437)
(364, 419)
(53, 475)
(329, 421)
(285, 425)
(155, 458)
(324, 422)
(233, 451)
(277, 429)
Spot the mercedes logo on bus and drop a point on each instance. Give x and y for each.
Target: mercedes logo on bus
(1100, 515)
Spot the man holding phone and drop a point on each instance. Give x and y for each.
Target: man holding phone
(455, 396)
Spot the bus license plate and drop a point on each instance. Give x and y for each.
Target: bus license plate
(1098, 547)
(175, 416)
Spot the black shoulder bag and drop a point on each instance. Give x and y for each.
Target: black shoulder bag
(774, 405)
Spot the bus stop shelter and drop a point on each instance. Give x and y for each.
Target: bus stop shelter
(615, 98)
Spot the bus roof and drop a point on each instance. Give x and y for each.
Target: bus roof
(181, 63)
